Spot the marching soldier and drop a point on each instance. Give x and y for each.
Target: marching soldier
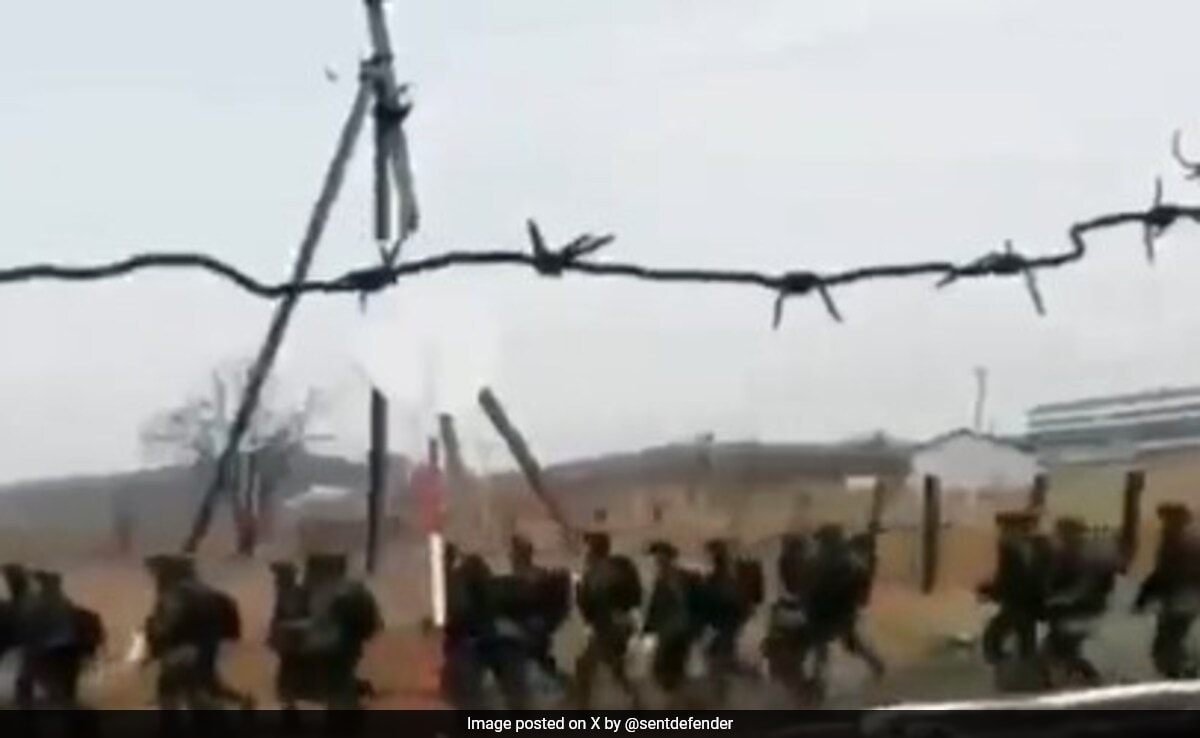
(189, 622)
(788, 641)
(469, 629)
(60, 640)
(669, 617)
(289, 618)
(1082, 575)
(840, 578)
(1017, 588)
(344, 617)
(17, 579)
(546, 603)
(1174, 584)
(608, 593)
(732, 589)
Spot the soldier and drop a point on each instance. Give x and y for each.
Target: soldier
(788, 640)
(189, 622)
(468, 631)
(543, 603)
(60, 640)
(17, 579)
(1081, 578)
(289, 617)
(609, 591)
(1174, 584)
(840, 578)
(344, 617)
(1017, 588)
(669, 617)
(732, 589)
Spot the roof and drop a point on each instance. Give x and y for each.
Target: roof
(1164, 394)
(1018, 444)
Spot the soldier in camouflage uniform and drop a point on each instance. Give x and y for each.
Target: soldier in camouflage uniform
(609, 591)
(469, 630)
(730, 597)
(670, 617)
(189, 622)
(20, 590)
(1174, 584)
(289, 618)
(540, 603)
(1081, 578)
(840, 579)
(61, 638)
(1017, 588)
(344, 617)
(788, 641)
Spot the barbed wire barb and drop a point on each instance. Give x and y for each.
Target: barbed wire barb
(1191, 168)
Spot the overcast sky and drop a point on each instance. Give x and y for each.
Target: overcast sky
(768, 133)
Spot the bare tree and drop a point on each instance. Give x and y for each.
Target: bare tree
(196, 431)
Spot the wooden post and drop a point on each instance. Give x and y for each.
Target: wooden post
(377, 457)
(931, 532)
(1039, 492)
(1131, 515)
(525, 460)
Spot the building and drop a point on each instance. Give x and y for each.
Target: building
(1116, 427)
(972, 466)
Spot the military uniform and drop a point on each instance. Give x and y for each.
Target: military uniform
(728, 603)
(669, 617)
(840, 578)
(19, 590)
(532, 604)
(1017, 588)
(289, 618)
(468, 632)
(610, 589)
(1174, 584)
(344, 616)
(1082, 574)
(789, 634)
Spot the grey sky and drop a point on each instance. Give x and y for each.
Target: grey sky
(770, 133)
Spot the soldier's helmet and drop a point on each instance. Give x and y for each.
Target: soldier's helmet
(1174, 514)
(14, 572)
(718, 548)
(521, 546)
(598, 542)
(662, 550)
(830, 533)
(283, 570)
(1070, 526)
(1016, 519)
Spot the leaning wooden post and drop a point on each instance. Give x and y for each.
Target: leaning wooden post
(1039, 492)
(931, 531)
(1131, 516)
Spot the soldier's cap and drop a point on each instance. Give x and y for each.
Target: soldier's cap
(520, 543)
(13, 569)
(1174, 511)
(1070, 524)
(662, 548)
(717, 546)
(1016, 517)
(168, 562)
(830, 531)
(596, 538)
(283, 567)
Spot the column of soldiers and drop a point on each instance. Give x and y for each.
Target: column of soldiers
(318, 629)
(1063, 582)
(502, 626)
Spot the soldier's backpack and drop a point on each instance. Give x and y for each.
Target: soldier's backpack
(627, 590)
(89, 631)
(357, 613)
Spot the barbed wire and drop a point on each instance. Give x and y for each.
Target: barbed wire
(577, 257)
